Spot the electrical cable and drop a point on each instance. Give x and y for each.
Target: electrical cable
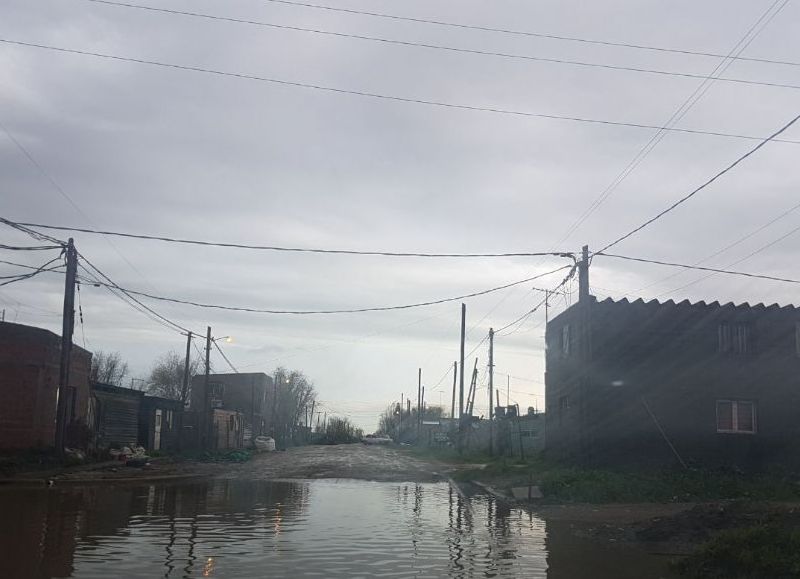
(526, 33)
(111, 284)
(434, 46)
(751, 34)
(387, 97)
(347, 311)
(703, 186)
(224, 357)
(698, 268)
(287, 249)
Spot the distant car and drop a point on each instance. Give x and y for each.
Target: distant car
(376, 439)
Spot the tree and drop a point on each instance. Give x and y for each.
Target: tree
(295, 395)
(108, 368)
(166, 376)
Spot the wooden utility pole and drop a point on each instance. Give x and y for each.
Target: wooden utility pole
(67, 326)
(185, 385)
(491, 388)
(461, 377)
(455, 378)
(207, 410)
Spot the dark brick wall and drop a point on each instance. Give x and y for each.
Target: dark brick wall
(29, 368)
(666, 357)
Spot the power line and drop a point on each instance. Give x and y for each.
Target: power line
(63, 193)
(109, 283)
(528, 33)
(29, 247)
(387, 97)
(224, 357)
(288, 249)
(348, 311)
(698, 267)
(36, 271)
(678, 114)
(436, 46)
(722, 250)
(701, 187)
(740, 260)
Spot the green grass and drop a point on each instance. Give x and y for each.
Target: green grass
(570, 484)
(755, 552)
(216, 455)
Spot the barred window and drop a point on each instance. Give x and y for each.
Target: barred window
(736, 416)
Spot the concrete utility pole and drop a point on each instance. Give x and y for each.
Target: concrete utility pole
(491, 388)
(207, 422)
(67, 326)
(185, 385)
(583, 275)
(455, 378)
(461, 376)
(508, 390)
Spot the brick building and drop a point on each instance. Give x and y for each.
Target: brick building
(29, 369)
(720, 383)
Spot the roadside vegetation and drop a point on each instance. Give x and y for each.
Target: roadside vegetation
(770, 550)
(562, 483)
(338, 431)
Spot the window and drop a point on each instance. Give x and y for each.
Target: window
(565, 340)
(735, 338)
(169, 419)
(736, 416)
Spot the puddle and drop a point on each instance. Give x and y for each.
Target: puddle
(319, 528)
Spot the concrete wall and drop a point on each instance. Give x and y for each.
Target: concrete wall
(29, 374)
(652, 363)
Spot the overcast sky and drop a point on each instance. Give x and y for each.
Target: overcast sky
(144, 149)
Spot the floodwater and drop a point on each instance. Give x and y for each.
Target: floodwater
(320, 528)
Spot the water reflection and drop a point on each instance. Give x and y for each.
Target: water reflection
(243, 528)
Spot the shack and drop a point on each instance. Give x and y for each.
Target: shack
(116, 415)
(29, 376)
(160, 423)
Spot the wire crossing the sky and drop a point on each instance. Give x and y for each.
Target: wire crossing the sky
(287, 249)
(438, 46)
(389, 97)
(685, 198)
(527, 33)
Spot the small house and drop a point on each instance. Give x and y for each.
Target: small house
(29, 379)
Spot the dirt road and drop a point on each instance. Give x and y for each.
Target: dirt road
(356, 461)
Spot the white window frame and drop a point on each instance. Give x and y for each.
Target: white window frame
(735, 418)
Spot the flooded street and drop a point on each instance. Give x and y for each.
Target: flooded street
(300, 528)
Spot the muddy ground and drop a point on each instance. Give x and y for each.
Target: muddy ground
(355, 461)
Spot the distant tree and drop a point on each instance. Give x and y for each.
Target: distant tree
(340, 431)
(108, 368)
(166, 376)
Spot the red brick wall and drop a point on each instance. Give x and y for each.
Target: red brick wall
(29, 366)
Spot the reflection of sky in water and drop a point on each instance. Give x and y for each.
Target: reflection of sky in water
(231, 528)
